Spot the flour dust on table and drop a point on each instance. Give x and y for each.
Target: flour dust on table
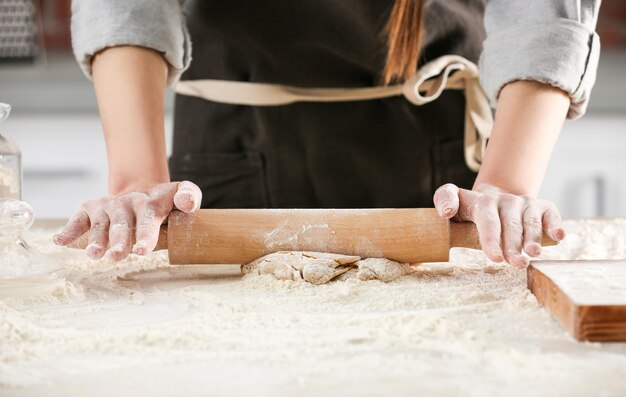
(142, 326)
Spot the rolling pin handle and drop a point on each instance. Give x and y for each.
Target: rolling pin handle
(162, 242)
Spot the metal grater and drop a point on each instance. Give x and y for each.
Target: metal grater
(18, 31)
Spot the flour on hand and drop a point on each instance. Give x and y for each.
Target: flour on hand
(320, 267)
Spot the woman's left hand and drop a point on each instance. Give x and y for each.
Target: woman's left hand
(506, 223)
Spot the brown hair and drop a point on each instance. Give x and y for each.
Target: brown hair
(404, 32)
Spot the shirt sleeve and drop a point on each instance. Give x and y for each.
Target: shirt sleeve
(155, 24)
(549, 41)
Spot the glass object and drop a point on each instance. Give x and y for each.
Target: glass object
(24, 271)
(10, 162)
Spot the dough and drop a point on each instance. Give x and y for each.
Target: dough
(379, 269)
(320, 267)
(314, 267)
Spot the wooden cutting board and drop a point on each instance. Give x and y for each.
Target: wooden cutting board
(587, 297)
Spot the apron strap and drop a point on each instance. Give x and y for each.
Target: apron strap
(447, 72)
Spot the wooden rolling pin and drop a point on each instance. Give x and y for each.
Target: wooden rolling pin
(222, 236)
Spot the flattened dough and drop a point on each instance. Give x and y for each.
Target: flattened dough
(320, 267)
(381, 269)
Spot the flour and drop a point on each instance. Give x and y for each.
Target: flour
(22, 267)
(9, 162)
(9, 183)
(597, 283)
(18, 261)
(286, 235)
(469, 325)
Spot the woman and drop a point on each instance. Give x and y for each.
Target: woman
(537, 67)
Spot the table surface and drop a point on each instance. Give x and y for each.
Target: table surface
(467, 327)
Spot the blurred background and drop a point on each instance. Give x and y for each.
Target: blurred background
(55, 119)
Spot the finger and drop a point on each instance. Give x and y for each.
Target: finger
(150, 215)
(531, 221)
(511, 212)
(188, 197)
(148, 227)
(77, 225)
(468, 203)
(552, 222)
(484, 214)
(446, 200)
(120, 230)
(98, 234)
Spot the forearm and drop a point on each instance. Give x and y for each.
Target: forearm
(528, 120)
(130, 87)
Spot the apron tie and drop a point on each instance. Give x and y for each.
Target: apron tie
(455, 72)
(451, 72)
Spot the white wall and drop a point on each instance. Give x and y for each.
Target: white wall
(63, 160)
(587, 172)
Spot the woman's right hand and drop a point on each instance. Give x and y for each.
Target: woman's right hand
(111, 221)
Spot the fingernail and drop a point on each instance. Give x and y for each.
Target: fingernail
(186, 201)
(446, 208)
(559, 234)
(115, 252)
(497, 255)
(57, 239)
(194, 202)
(94, 250)
(535, 249)
(140, 248)
(521, 262)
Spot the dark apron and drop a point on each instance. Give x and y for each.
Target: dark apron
(361, 154)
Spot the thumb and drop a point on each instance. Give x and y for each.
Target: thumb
(446, 200)
(188, 197)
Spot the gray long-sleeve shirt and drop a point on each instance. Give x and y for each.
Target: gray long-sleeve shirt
(549, 41)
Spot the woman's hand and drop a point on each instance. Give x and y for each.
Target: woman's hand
(111, 221)
(506, 223)
(529, 117)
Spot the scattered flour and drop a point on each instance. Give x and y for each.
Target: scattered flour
(142, 326)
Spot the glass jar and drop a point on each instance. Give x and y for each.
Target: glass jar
(23, 269)
(10, 163)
